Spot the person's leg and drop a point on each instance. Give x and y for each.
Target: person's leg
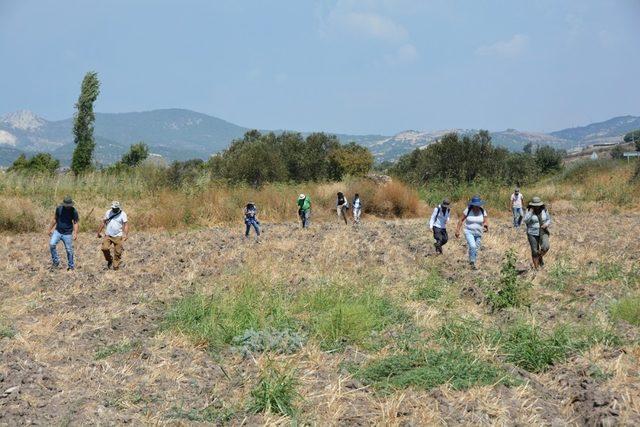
(344, 214)
(247, 229)
(257, 228)
(544, 246)
(472, 246)
(358, 214)
(53, 242)
(307, 218)
(520, 216)
(533, 243)
(437, 236)
(106, 251)
(514, 212)
(67, 239)
(444, 238)
(118, 248)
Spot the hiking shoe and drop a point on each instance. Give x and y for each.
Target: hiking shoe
(541, 262)
(473, 265)
(109, 265)
(53, 267)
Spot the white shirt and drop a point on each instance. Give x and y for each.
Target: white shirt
(439, 219)
(516, 200)
(114, 227)
(474, 223)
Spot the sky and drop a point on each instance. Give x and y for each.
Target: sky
(360, 67)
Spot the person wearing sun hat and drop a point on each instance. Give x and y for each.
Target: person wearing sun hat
(304, 209)
(438, 224)
(64, 226)
(116, 228)
(537, 220)
(474, 218)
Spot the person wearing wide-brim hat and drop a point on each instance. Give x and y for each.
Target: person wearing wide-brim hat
(64, 226)
(537, 220)
(438, 224)
(304, 209)
(474, 218)
(116, 226)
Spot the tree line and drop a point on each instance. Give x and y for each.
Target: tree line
(461, 159)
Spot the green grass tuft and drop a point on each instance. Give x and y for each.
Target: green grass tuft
(429, 369)
(510, 291)
(627, 309)
(275, 391)
(431, 288)
(461, 332)
(110, 350)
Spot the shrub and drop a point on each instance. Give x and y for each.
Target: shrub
(43, 163)
(394, 199)
(136, 155)
(6, 331)
(429, 369)
(18, 216)
(511, 291)
(285, 341)
(627, 309)
(461, 332)
(275, 391)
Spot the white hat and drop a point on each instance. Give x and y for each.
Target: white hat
(115, 205)
(301, 196)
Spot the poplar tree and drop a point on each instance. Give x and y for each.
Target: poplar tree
(84, 119)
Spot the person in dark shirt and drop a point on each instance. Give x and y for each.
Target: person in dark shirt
(64, 226)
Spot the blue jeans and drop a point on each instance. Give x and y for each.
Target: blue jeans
(255, 225)
(304, 216)
(473, 243)
(67, 239)
(517, 216)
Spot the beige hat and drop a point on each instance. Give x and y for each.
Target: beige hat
(536, 201)
(115, 205)
(301, 196)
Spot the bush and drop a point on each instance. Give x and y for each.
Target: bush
(40, 163)
(285, 341)
(461, 332)
(18, 216)
(510, 291)
(137, 154)
(393, 199)
(627, 309)
(530, 348)
(431, 288)
(275, 391)
(429, 369)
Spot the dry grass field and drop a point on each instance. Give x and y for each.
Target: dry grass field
(335, 325)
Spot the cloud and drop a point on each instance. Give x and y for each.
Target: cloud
(405, 54)
(507, 48)
(371, 25)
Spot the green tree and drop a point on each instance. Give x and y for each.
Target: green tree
(83, 124)
(617, 152)
(40, 163)
(137, 154)
(633, 136)
(548, 159)
(352, 159)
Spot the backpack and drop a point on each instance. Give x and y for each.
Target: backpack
(112, 216)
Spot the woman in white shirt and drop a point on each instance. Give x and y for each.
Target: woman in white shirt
(475, 223)
(438, 225)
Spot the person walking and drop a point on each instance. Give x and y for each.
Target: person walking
(342, 206)
(537, 220)
(438, 224)
(357, 209)
(251, 220)
(64, 226)
(516, 207)
(116, 233)
(304, 209)
(474, 218)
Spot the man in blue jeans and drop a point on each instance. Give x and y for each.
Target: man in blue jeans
(64, 226)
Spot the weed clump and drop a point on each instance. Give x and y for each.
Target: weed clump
(275, 391)
(432, 288)
(627, 309)
(6, 331)
(461, 332)
(120, 348)
(270, 340)
(510, 290)
(431, 368)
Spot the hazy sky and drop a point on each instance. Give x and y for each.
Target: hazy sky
(365, 66)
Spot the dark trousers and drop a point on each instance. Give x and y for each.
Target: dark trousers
(441, 237)
(255, 225)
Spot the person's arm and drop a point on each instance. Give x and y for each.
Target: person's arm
(511, 202)
(528, 216)
(432, 220)
(125, 235)
(52, 226)
(547, 221)
(464, 217)
(75, 230)
(100, 228)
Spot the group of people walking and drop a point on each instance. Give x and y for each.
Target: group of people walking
(474, 223)
(65, 224)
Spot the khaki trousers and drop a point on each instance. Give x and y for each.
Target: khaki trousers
(118, 248)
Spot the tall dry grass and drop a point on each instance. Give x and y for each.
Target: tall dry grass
(27, 203)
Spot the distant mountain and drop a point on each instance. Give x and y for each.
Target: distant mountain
(607, 131)
(179, 134)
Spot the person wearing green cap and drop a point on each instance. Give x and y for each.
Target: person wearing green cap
(538, 221)
(64, 226)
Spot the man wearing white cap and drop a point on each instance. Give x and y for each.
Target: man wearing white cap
(304, 209)
(117, 230)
